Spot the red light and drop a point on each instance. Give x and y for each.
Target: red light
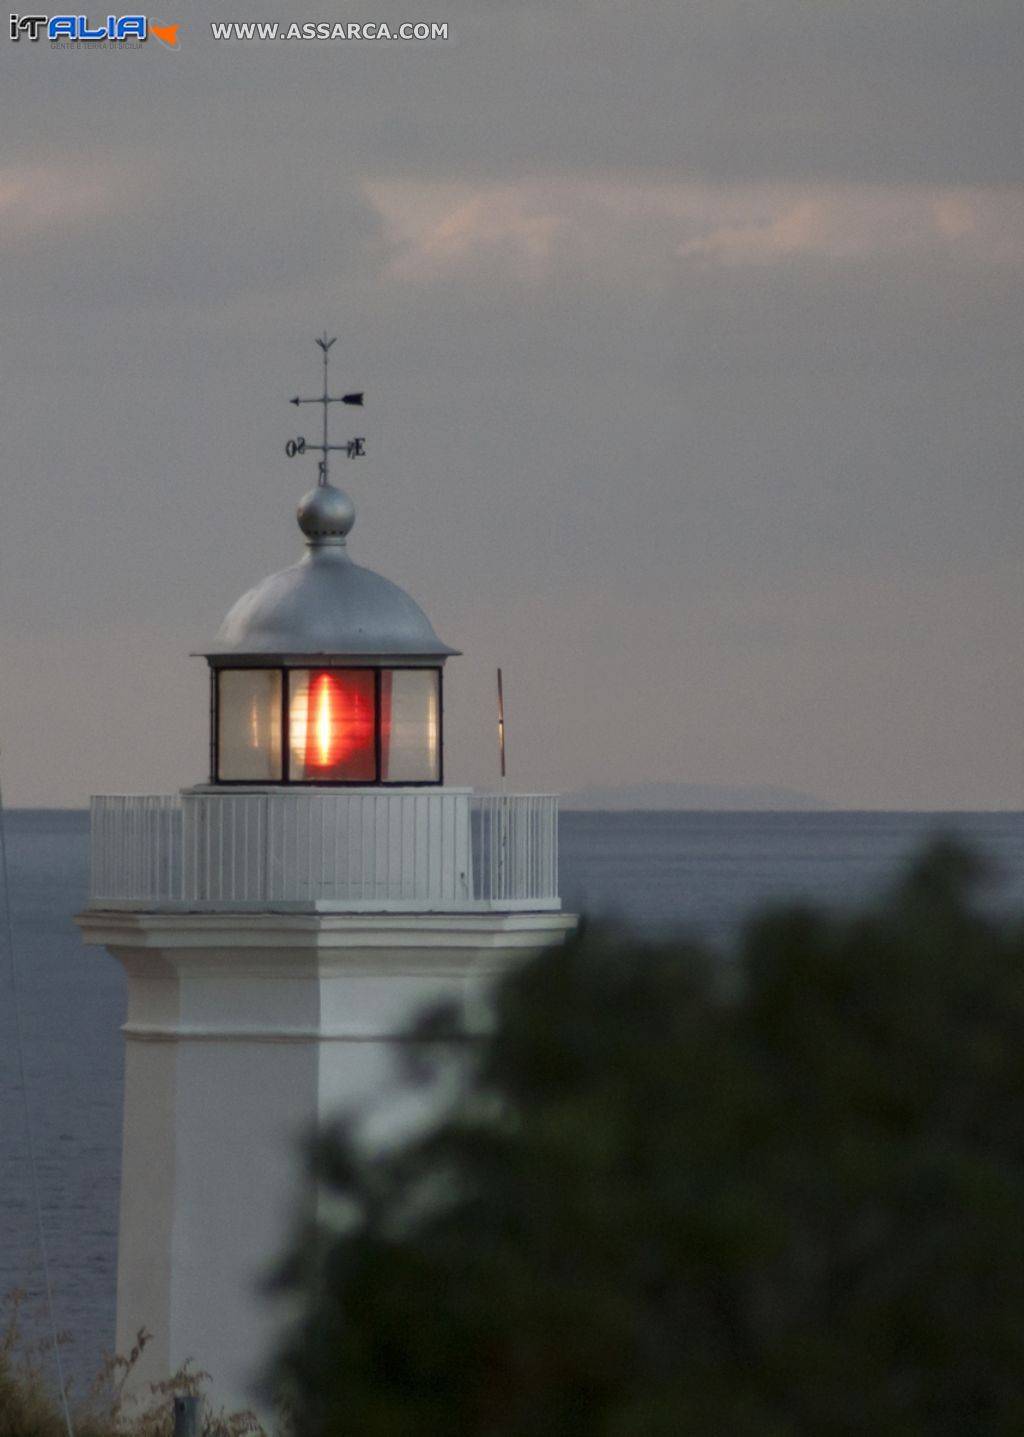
(339, 720)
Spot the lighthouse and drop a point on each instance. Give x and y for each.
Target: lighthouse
(281, 922)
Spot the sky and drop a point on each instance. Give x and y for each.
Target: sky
(692, 337)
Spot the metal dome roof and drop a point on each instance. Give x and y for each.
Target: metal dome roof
(326, 604)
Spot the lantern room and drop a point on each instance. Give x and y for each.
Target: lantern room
(326, 673)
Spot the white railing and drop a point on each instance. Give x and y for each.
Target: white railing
(515, 846)
(135, 852)
(342, 850)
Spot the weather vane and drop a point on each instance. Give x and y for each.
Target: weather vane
(354, 448)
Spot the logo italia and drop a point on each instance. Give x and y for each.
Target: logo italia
(78, 27)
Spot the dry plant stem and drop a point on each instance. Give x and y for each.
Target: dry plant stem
(29, 1408)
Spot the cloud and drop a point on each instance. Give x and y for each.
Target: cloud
(35, 197)
(527, 229)
(857, 222)
(434, 230)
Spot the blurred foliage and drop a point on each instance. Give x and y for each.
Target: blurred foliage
(673, 1191)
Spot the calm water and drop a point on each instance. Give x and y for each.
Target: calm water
(701, 871)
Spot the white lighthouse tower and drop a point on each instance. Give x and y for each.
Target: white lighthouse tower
(280, 924)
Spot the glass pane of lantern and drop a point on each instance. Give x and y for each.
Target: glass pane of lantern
(331, 726)
(249, 724)
(410, 727)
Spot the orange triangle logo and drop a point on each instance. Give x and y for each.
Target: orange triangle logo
(167, 33)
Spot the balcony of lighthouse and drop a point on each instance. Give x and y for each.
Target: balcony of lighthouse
(395, 850)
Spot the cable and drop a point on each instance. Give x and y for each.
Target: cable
(19, 1043)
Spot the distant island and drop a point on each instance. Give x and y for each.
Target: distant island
(692, 795)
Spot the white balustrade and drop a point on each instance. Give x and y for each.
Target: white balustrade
(135, 852)
(341, 850)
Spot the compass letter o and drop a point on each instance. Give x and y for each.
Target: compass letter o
(295, 446)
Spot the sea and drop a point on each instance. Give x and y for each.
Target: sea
(701, 873)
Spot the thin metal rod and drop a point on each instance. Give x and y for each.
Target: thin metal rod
(20, 1044)
(501, 726)
(323, 471)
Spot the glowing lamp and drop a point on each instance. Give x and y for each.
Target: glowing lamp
(331, 726)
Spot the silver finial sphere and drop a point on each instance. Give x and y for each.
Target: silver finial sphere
(326, 515)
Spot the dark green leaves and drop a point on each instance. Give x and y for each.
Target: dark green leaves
(774, 1193)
